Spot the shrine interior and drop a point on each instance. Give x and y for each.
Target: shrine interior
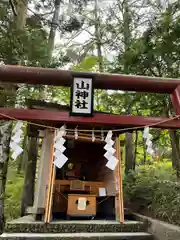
(85, 157)
(86, 164)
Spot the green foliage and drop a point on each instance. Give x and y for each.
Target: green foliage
(14, 188)
(27, 46)
(87, 64)
(153, 190)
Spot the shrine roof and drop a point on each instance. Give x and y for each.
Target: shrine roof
(39, 104)
(42, 105)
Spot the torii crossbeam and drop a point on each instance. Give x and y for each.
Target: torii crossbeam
(99, 119)
(32, 75)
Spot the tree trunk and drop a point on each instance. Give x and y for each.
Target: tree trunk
(98, 44)
(21, 9)
(20, 21)
(135, 150)
(29, 181)
(19, 165)
(51, 40)
(144, 151)
(174, 138)
(126, 37)
(175, 152)
(5, 137)
(98, 37)
(54, 26)
(23, 157)
(126, 28)
(129, 158)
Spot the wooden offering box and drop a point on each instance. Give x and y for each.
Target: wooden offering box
(89, 210)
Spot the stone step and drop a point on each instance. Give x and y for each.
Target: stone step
(93, 226)
(77, 236)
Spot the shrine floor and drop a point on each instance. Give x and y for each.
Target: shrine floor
(27, 228)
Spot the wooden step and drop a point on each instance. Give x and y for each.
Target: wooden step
(67, 236)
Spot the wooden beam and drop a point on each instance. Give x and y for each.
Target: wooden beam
(44, 76)
(99, 120)
(84, 139)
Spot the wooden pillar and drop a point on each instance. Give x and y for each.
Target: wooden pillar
(119, 202)
(42, 175)
(49, 193)
(43, 171)
(175, 98)
(30, 172)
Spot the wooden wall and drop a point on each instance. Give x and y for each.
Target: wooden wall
(107, 176)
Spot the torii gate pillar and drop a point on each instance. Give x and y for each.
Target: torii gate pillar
(175, 98)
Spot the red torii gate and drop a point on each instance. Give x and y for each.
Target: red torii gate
(42, 76)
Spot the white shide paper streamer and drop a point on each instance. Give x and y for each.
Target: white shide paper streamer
(16, 140)
(147, 136)
(110, 151)
(59, 158)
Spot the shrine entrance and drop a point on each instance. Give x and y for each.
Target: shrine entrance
(81, 185)
(84, 176)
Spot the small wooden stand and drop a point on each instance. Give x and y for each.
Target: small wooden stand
(73, 210)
